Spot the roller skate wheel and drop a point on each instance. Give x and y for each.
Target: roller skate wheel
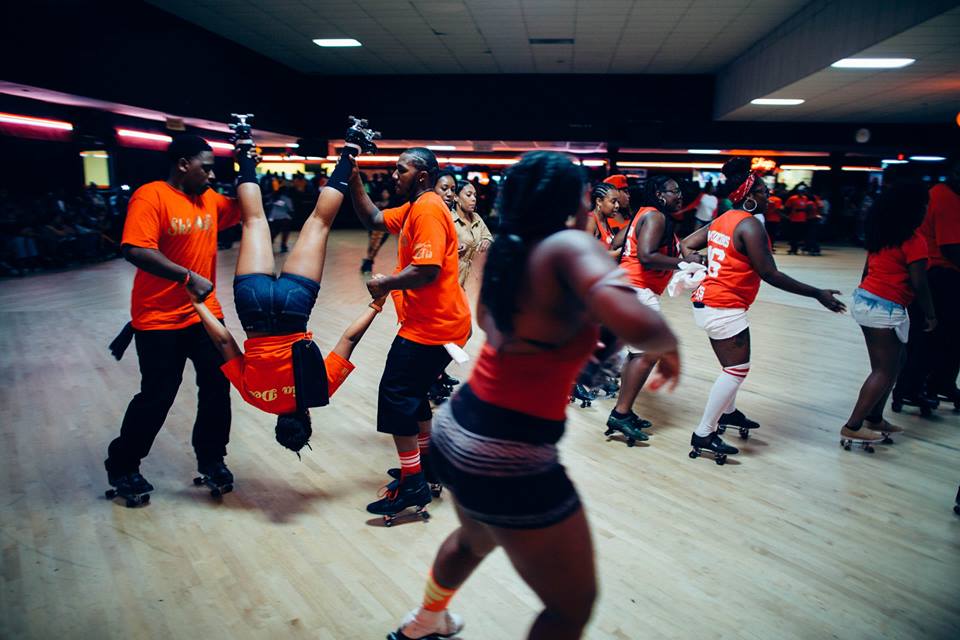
(744, 433)
(608, 432)
(694, 454)
(887, 440)
(110, 494)
(145, 498)
(897, 407)
(228, 488)
(722, 459)
(197, 482)
(387, 521)
(868, 448)
(216, 493)
(722, 429)
(131, 503)
(631, 442)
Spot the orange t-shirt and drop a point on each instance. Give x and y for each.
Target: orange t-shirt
(941, 225)
(731, 282)
(774, 207)
(437, 313)
(887, 274)
(184, 229)
(264, 373)
(640, 277)
(796, 207)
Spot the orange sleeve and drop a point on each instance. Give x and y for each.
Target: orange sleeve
(338, 368)
(915, 248)
(946, 221)
(429, 236)
(228, 212)
(393, 218)
(142, 227)
(233, 370)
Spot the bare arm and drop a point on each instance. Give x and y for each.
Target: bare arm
(352, 334)
(412, 276)
(155, 263)
(918, 280)
(649, 232)
(695, 241)
(754, 238)
(219, 334)
(367, 211)
(591, 227)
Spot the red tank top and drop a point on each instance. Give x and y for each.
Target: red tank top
(640, 277)
(537, 384)
(731, 281)
(606, 237)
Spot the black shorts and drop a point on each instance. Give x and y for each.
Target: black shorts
(276, 305)
(410, 370)
(501, 465)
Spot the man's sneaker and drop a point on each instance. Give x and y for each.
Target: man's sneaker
(420, 624)
(882, 426)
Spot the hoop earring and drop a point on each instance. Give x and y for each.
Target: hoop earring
(752, 209)
(662, 201)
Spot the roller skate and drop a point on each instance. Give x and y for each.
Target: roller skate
(583, 395)
(714, 444)
(216, 477)
(427, 625)
(241, 131)
(925, 403)
(400, 495)
(736, 419)
(448, 380)
(438, 392)
(630, 426)
(610, 386)
(952, 396)
(366, 266)
(132, 487)
(863, 437)
(360, 136)
(884, 428)
(436, 487)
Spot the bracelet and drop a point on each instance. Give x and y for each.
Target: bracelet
(186, 280)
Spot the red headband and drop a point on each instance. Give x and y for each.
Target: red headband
(741, 192)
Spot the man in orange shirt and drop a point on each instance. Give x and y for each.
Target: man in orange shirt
(170, 235)
(796, 208)
(433, 312)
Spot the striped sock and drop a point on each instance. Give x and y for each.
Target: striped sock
(423, 442)
(435, 597)
(409, 463)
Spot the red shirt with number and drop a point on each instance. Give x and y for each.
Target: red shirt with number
(941, 225)
(437, 313)
(641, 277)
(731, 281)
(887, 273)
(184, 229)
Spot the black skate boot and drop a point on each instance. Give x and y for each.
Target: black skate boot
(630, 426)
(132, 487)
(950, 395)
(439, 392)
(448, 380)
(216, 476)
(583, 395)
(413, 491)
(366, 266)
(360, 136)
(712, 443)
(922, 401)
(241, 131)
(436, 487)
(736, 419)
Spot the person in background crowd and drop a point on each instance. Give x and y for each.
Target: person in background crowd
(706, 208)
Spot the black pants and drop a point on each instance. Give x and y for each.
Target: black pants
(933, 359)
(162, 356)
(410, 370)
(797, 232)
(812, 244)
(773, 230)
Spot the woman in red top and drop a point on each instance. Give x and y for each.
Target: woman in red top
(651, 254)
(738, 258)
(545, 289)
(606, 207)
(282, 371)
(895, 272)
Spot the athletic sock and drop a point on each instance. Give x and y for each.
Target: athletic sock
(423, 443)
(409, 463)
(435, 600)
(723, 394)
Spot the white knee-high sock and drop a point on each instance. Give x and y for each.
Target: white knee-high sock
(722, 397)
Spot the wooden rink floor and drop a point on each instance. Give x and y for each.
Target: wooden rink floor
(793, 538)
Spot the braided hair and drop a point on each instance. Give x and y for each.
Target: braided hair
(600, 191)
(538, 195)
(425, 160)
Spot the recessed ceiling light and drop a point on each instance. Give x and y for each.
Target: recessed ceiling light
(873, 63)
(893, 161)
(292, 145)
(704, 151)
(337, 42)
(777, 102)
(928, 158)
(441, 147)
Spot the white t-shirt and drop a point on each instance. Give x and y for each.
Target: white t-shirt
(706, 208)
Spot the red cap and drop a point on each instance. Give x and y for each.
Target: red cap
(618, 180)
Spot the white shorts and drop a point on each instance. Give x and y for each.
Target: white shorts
(721, 324)
(874, 312)
(650, 299)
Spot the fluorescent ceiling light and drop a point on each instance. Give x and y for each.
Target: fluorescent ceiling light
(44, 123)
(143, 135)
(441, 147)
(873, 63)
(893, 161)
(928, 158)
(670, 165)
(337, 42)
(704, 151)
(292, 145)
(858, 168)
(777, 102)
(805, 167)
(594, 163)
(220, 145)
